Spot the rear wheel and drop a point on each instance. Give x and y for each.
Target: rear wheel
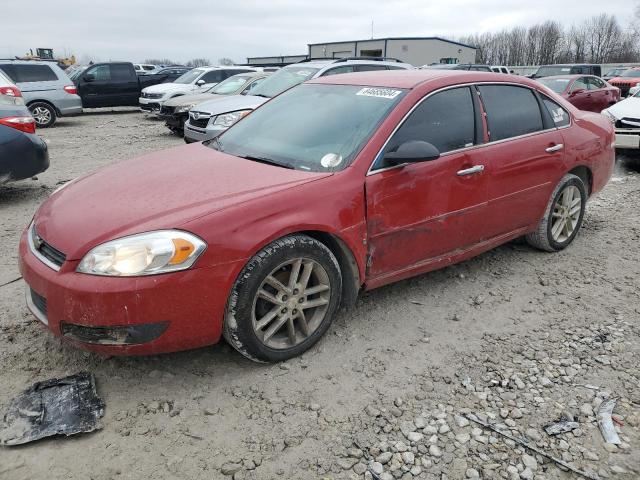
(563, 216)
(43, 113)
(284, 300)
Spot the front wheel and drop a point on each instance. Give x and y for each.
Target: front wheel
(284, 299)
(43, 113)
(563, 216)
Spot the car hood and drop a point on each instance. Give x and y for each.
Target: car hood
(169, 87)
(186, 99)
(160, 190)
(231, 103)
(631, 80)
(626, 108)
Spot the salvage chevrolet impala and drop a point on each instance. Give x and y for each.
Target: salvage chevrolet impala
(339, 185)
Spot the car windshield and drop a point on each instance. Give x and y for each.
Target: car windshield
(553, 70)
(313, 127)
(631, 73)
(615, 72)
(558, 85)
(283, 79)
(190, 76)
(230, 85)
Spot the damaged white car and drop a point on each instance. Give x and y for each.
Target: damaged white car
(626, 117)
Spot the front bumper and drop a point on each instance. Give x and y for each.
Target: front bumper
(189, 305)
(150, 105)
(628, 138)
(194, 134)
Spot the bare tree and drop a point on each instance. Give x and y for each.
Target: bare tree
(198, 62)
(158, 61)
(226, 62)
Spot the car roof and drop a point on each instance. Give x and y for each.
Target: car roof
(409, 79)
(569, 76)
(321, 62)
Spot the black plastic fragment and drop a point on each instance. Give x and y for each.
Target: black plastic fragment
(60, 406)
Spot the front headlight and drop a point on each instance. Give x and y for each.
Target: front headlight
(184, 108)
(227, 119)
(609, 115)
(143, 254)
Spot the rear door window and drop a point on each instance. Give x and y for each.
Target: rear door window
(214, 76)
(369, 68)
(445, 119)
(120, 72)
(33, 73)
(511, 111)
(338, 70)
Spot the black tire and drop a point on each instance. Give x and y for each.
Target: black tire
(238, 324)
(44, 114)
(542, 238)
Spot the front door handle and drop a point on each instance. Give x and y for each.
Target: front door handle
(555, 148)
(470, 171)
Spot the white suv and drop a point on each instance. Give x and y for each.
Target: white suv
(193, 82)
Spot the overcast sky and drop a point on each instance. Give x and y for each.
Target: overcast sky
(184, 29)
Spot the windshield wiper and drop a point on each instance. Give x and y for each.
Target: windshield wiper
(217, 144)
(259, 95)
(268, 161)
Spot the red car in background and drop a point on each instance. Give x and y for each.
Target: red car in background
(586, 92)
(339, 185)
(627, 80)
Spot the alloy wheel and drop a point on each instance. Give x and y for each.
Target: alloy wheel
(41, 115)
(291, 303)
(566, 214)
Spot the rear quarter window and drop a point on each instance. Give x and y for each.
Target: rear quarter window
(511, 111)
(558, 114)
(34, 73)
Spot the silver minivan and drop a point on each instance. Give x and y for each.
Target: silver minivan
(47, 90)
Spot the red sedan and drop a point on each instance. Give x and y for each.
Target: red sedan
(586, 92)
(337, 186)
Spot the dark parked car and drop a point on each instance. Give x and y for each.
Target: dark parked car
(22, 153)
(614, 72)
(113, 84)
(586, 92)
(567, 69)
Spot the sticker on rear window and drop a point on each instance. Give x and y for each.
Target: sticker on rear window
(558, 115)
(379, 92)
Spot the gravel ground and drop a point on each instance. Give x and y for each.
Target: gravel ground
(518, 337)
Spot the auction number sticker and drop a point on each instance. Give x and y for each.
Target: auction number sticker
(379, 92)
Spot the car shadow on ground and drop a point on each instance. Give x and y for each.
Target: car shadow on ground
(23, 191)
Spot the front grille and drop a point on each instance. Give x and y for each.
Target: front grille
(623, 123)
(199, 120)
(46, 250)
(166, 110)
(149, 106)
(39, 302)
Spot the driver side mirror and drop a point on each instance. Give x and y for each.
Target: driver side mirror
(413, 151)
(200, 82)
(577, 91)
(88, 77)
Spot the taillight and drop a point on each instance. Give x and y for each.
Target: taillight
(70, 89)
(24, 124)
(10, 92)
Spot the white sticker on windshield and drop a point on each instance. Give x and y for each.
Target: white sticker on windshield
(331, 160)
(379, 92)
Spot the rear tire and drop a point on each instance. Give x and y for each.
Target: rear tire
(563, 216)
(283, 300)
(44, 114)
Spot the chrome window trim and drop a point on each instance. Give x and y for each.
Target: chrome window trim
(36, 253)
(370, 171)
(33, 309)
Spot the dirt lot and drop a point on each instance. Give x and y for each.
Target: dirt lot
(516, 336)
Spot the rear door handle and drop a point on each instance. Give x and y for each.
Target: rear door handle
(555, 148)
(470, 171)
